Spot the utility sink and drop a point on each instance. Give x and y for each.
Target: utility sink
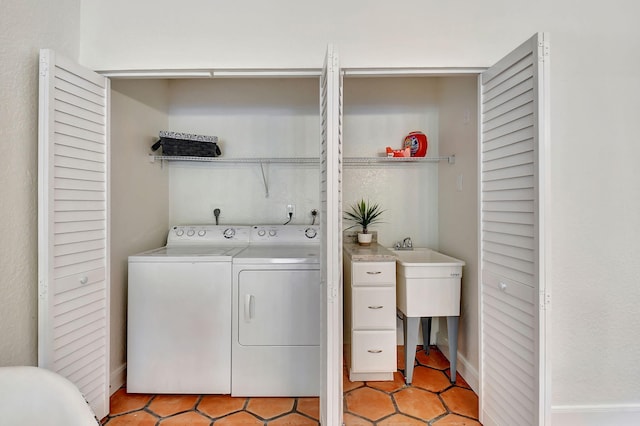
(427, 283)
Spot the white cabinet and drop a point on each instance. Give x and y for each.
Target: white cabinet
(370, 319)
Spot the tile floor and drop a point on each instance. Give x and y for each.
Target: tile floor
(430, 400)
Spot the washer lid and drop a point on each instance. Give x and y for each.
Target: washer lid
(202, 253)
(267, 254)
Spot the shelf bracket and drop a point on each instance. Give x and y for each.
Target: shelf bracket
(264, 180)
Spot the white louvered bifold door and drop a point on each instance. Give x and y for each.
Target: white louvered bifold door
(513, 136)
(331, 240)
(73, 219)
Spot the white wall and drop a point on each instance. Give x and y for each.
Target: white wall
(25, 28)
(139, 194)
(380, 112)
(252, 118)
(595, 179)
(458, 210)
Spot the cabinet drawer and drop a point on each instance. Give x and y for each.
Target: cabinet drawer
(374, 273)
(374, 308)
(373, 351)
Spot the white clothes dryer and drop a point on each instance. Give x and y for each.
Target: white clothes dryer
(276, 313)
(179, 312)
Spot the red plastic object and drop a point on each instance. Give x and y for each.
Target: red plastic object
(418, 143)
(405, 152)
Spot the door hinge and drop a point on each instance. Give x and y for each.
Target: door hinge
(543, 50)
(43, 288)
(545, 300)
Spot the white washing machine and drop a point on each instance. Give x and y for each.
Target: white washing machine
(179, 312)
(276, 313)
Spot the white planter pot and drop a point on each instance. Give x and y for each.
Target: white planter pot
(364, 239)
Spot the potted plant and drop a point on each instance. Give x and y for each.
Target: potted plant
(364, 213)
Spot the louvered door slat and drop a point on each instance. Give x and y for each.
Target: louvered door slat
(516, 67)
(84, 205)
(73, 227)
(508, 206)
(520, 147)
(508, 250)
(508, 139)
(86, 330)
(70, 195)
(83, 364)
(512, 183)
(62, 97)
(512, 126)
(79, 112)
(79, 122)
(511, 134)
(508, 172)
(76, 89)
(78, 291)
(69, 364)
(65, 228)
(78, 174)
(508, 161)
(508, 239)
(512, 104)
(510, 117)
(70, 146)
(508, 272)
(91, 317)
(506, 96)
(512, 413)
(79, 247)
(77, 163)
(68, 130)
(82, 185)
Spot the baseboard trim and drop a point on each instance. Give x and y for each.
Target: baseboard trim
(596, 415)
(465, 368)
(117, 379)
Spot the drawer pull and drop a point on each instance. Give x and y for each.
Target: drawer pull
(374, 351)
(376, 307)
(373, 272)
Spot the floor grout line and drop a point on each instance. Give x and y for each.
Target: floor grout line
(435, 358)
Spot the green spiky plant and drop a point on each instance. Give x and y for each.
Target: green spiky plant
(364, 213)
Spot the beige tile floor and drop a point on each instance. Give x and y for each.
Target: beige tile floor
(430, 400)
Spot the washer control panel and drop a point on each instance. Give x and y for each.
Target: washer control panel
(208, 234)
(285, 234)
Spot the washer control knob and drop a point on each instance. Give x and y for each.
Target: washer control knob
(310, 232)
(202, 232)
(229, 233)
(262, 232)
(272, 233)
(179, 232)
(190, 233)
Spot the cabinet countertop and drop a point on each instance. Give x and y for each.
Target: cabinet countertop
(373, 253)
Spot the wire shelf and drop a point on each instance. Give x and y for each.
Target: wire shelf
(308, 160)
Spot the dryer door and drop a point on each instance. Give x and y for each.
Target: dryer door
(279, 307)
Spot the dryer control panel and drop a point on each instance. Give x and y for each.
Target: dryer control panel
(208, 234)
(285, 234)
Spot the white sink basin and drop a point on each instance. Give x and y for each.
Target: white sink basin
(425, 257)
(427, 283)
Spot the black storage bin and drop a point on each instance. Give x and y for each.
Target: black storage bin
(187, 145)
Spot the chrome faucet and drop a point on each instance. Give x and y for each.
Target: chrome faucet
(406, 244)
